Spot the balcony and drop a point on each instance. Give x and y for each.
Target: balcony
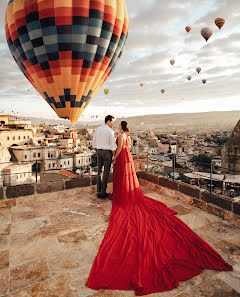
(50, 235)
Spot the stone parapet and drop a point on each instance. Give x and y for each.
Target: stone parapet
(224, 207)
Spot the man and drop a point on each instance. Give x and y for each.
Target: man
(105, 145)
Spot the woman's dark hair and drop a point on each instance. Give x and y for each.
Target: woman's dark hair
(109, 118)
(124, 125)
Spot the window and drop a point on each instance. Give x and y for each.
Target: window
(25, 156)
(23, 174)
(68, 162)
(53, 165)
(24, 137)
(49, 165)
(48, 155)
(13, 138)
(19, 137)
(34, 155)
(61, 165)
(64, 163)
(39, 155)
(28, 137)
(8, 138)
(78, 161)
(17, 176)
(39, 141)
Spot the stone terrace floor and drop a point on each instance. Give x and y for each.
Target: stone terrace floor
(48, 243)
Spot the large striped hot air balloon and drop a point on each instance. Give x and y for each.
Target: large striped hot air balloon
(67, 48)
(219, 22)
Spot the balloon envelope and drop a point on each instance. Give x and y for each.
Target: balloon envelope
(189, 77)
(198, 69)
(67, 49)
(206, 33)
(219, 22)
(106, 91)
(172, 62)
(163, 91)
(204, 81)
(188, 29)
(141, 84)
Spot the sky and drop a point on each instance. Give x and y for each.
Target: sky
(156, 35)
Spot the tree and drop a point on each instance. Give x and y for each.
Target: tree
(202, 160)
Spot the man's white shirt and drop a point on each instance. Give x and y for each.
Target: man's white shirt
(103, 138)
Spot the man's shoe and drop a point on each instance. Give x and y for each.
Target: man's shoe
(105, 195)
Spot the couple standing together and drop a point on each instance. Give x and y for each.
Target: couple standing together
(146, 248)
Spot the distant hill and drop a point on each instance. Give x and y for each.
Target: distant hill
(67, 123)
(203, 122)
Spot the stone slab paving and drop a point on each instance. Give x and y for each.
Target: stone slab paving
(48, 243)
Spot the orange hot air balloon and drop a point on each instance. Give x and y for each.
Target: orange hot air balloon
(206, 33)
(141, 84)
(172, 62)
(204, 81)
(106, 91)
(219, 22)
(198, 69)
(189, 77)
(67, 49)
(188, 29)
(163, 91)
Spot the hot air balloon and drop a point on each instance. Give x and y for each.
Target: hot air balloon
(206, 33)
(172, 62)
(106, 91)
(67, 49)
(163, 91)
(141, 84)
(189, 77)
(204, 81)
(188, 29)
(219, 22)
(198, 69)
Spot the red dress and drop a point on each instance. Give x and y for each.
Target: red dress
(146, 248)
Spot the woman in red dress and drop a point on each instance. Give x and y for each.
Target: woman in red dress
(146, 248)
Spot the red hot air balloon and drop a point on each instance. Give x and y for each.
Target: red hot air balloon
(198, 69)
(188, 29)
(67, 49)
(163, 91)
(206, 33)
(141, 84)
(189, 77)
(204, 81)
(219, 22)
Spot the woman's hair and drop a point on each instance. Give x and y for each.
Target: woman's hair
(124, 125)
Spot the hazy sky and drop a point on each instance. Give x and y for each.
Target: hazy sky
(157, 34)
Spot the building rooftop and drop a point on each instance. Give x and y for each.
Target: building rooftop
(48, 243)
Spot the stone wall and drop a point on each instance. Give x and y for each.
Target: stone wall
(224, 207)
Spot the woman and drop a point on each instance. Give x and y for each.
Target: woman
(146, 248)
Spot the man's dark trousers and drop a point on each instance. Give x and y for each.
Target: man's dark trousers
(104, 158)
